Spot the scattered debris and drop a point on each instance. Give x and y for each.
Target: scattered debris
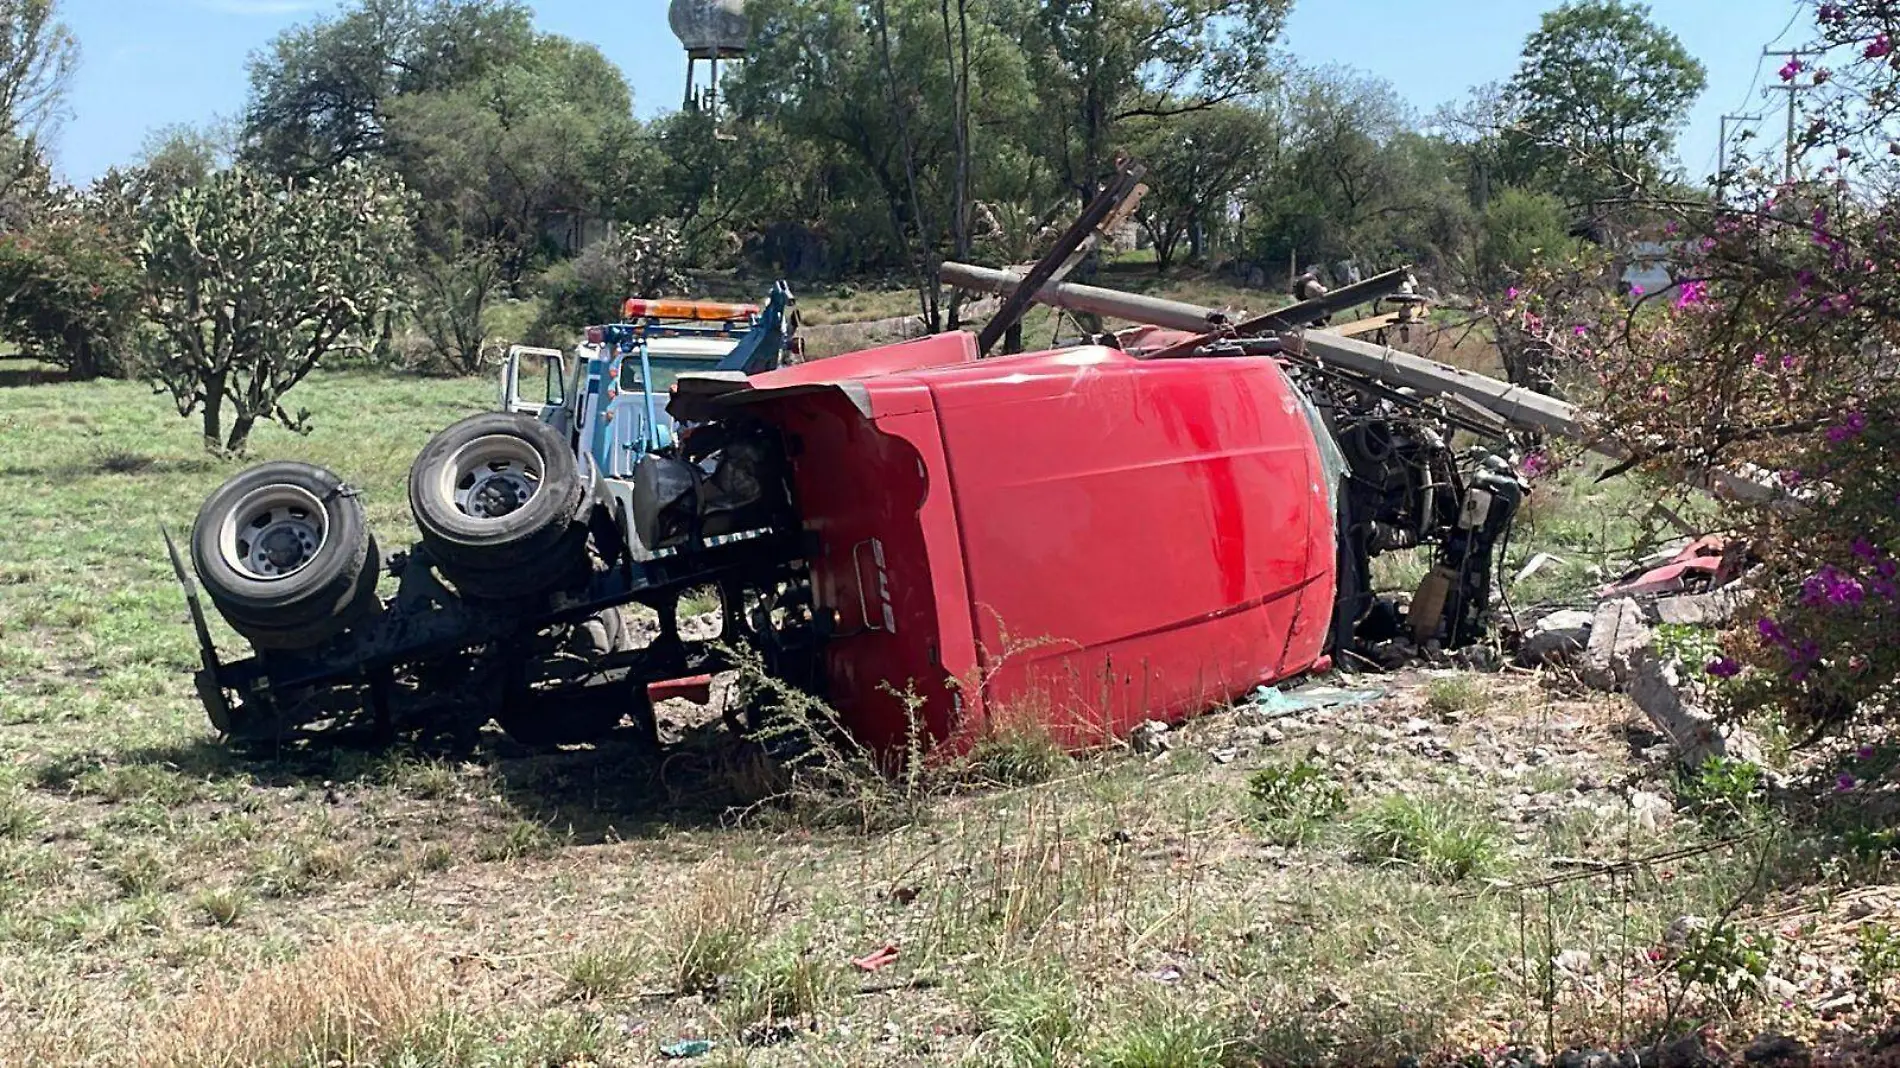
(1673, 704)
(1556, 637)
(1617, 633)
(687, 1050)
(877, 958)
(1150, 737)
(1270, 703)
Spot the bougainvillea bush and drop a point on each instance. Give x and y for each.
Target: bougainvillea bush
(1775, 355)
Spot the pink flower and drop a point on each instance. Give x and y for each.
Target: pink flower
(1692, 294)
(1843, 783)
(1580, 330)
(1792, 68)
(1511, 294)
(1723, 667)
(1636, 291)
(1878, 47)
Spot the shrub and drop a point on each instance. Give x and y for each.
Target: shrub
(70, 294)
(1437, 836)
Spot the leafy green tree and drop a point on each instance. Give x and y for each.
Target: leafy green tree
(319, 94)
(496, 160)
(1522, 229)
(1197, 164)
(1603, 93)
(251, 282)
(69, 292)
(1097, 65)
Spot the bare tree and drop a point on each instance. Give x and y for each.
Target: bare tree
(38, 55)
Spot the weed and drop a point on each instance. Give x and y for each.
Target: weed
(1691, 646)
(1722, 791)
(1035, 1020)
(1877, 949)
(221, 906)
(1295, 799)
(1726, 964)
(1173, 1040)
(426, 780)
(435, 856)
(138, 870)
(522, 838)
(603, 972)
(1450, 695)
(1438, 836)
(780, 983)
(18, 817)
(714, 934)
(350, 1002)
(1017, 754)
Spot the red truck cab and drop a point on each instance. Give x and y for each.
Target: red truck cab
(1082, 537)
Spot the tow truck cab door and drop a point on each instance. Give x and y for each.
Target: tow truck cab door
(534, 382)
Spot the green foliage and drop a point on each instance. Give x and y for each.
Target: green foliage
(1197, 163)
(452, 295)
(1604, 92)
(1722, 791)
(38, 55)
(1294, 799)
(69, 292)
(1726, 964)
(251, 283)
(1877, 949)
(1449, 695)
(1521, 229)
(1439, 837)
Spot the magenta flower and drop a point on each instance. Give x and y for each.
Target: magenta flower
(1511, 294)
(1636, 291)
(1878, 47)
(1843, 783)
(1723, 667)
(1692, 294)
(1865, 752)
(1865, 549)
(1761, 360)
(1535, 464)
(1832, 587)
(1580, 330)
(1847, 428)
(1792, 68)
(1771, 631)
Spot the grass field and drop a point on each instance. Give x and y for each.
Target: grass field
(1409, 878)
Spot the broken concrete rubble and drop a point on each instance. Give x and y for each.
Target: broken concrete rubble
(1673, 703)
(1618, 632)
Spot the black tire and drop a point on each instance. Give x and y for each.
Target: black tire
(512, 532)
(285, 555)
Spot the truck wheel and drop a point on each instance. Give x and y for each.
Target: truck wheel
(496, 493)
(285, 554)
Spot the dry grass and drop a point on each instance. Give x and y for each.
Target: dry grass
(355, 1001)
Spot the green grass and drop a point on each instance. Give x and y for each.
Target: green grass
(1441, 837)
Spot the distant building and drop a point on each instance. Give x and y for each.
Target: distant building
(1652, 265)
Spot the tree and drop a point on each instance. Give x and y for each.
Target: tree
(452, 295)
(1602, 93)
(38, 55)
(1773, 356)
(1098, 64)
(70, 292)
(251, 282)
(1197, 164)
(319, 95)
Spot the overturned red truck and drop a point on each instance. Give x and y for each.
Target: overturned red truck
(1139, 526)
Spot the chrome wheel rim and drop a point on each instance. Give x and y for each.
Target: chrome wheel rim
(492, 476)
(273, 532)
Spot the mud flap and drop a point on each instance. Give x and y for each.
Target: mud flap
(210, 693)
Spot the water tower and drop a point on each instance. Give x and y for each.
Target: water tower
(711, 30)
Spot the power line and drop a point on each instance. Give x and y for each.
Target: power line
(1791, 85)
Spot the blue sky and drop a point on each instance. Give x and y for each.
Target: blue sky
(148, 64)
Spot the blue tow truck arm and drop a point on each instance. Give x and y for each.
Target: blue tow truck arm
(763, 347)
